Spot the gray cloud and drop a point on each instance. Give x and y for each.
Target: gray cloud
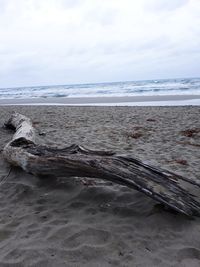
(65, 41)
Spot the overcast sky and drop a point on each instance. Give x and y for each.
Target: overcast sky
(46, 42)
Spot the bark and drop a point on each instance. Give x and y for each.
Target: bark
(77, 161)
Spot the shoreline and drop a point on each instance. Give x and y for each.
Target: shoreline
(172, 100)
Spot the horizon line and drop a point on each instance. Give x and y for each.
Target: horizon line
(87, 83)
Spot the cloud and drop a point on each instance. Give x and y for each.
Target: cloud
(65, 41)
(165, 5)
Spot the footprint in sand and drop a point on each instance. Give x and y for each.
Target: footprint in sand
(188, 253)
(90, 237)
(5, 234)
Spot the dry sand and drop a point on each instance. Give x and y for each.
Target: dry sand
(82, 223)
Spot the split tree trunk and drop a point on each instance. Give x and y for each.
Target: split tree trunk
(76, 161)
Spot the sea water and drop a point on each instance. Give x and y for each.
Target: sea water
(187, 86)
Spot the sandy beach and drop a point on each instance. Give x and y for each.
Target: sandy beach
(82, 222)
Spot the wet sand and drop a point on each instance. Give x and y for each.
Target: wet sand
(99, 100)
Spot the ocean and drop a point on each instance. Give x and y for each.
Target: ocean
(188, 86)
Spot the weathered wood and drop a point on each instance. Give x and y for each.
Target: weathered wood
(22, 126)
(77, 161)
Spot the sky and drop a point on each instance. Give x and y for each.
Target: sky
(47, 42)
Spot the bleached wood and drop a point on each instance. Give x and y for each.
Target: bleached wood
(24, 133)
(23, 127)
(77, 161)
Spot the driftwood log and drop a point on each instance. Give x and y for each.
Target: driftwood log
(77, 161)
